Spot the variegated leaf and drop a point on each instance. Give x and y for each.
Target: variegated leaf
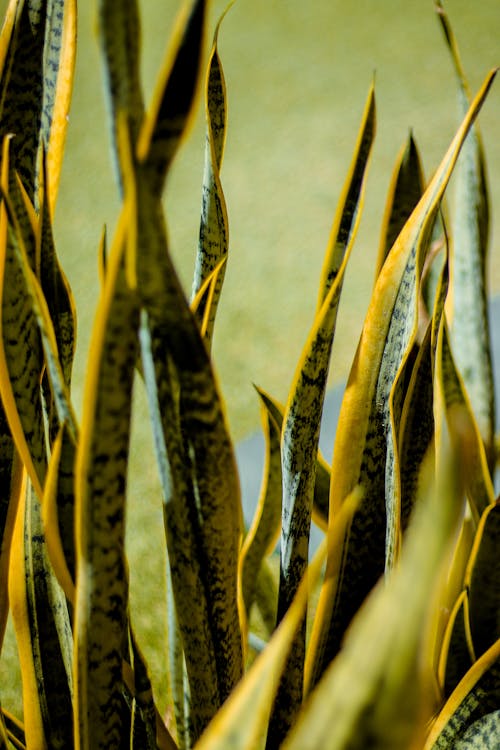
(361, 442)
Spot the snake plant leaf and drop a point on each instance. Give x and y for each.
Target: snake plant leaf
(348, 213)
(148, 729)
(11, 472)
(415, 429)
(302, 419)
(477, 696)
(172, 103)
(479, 486)
(40, 316)
(43, 632)
(242, 722)
(388, 708)
(483, 582)
(470, 332)
(60, 58)
(203, 510)
(100, 492)
(15, 730)
(205, 301)
(58, 512)
(360, 446)
(457, 656)
(21, 354)
(453, 650)
(178, 680)
(55, 286)
(214, 231)
(196, 456)
(405, 190)
(38, 51)
(192, 606)
(263, 533)
(119, 35)
(207, 488)
(481, 733)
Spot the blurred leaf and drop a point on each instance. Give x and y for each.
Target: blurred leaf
(470, 332)
(483, 582)
(457, 656)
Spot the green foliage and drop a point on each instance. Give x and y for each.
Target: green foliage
(403, 647)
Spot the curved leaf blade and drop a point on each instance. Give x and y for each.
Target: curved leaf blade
(405, 190)
(470, 332)
(302, 419)
(358, 452)
(214, 230)
(172, 102)
(100, 491)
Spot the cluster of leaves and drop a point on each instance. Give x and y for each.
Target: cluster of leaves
(403, 648)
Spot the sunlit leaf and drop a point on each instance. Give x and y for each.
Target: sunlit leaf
(470, 332)
(360, 446)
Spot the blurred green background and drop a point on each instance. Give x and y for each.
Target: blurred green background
(297, 77)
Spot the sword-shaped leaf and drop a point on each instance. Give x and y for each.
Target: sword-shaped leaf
(472, 707)
(213, 237)
(241, 723)
(119, 35)
(58, 511)
(38, 51)
(302, 419)
(457, 655)
(172, 102)
(405, 191)
(470, 332)
(264, 530)
(100, 488)
(43, 632)
(389, 706)
(361, 441)
(21, 354)
(55, 286)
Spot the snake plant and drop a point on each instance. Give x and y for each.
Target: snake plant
(389, 636)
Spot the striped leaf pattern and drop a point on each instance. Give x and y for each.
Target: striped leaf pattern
(213, 240)
(302, 420)
(101, 471)
(470, 329)
(361, 441)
